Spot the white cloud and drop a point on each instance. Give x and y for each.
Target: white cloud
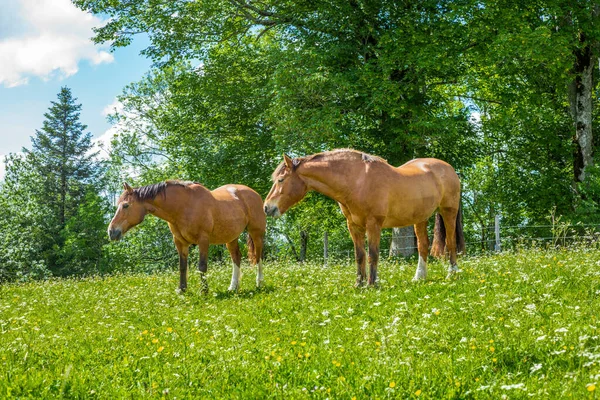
(102, 142)
(115, 106)
(46, 38)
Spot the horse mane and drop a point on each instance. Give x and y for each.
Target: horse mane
(333, 155)
(149, 192)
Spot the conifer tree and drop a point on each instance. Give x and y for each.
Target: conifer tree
(61, 153)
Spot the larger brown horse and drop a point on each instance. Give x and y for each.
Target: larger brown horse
(374, 195)
(196, 215)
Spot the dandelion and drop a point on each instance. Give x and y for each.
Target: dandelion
(492, 349)
(161, 348)
(169, 329)
(591, 387)
(154, 341)
(392, 384)
(494, 359)
(418, 393)
(293, 342)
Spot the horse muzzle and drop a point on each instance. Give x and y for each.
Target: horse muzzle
(272, 211)
(115, 234)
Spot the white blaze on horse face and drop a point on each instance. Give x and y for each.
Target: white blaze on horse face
(421, 273)
(259, 275)
(235, 278)
(233, 192)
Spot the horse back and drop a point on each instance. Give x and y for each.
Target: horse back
(241, 196)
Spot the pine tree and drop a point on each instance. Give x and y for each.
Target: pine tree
(61, 152)
(62, 159)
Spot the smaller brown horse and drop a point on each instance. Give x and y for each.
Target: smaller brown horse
(196, 215)
(374, 195)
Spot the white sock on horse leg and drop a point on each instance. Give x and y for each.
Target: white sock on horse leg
(421, 270)
(259, 274)
(235, 277)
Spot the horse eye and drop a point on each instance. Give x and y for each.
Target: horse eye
(125, 205)
(280, 180)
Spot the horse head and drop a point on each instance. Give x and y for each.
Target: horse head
(288, 188)
(130, 212)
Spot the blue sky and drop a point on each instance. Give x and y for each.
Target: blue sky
(44, 45)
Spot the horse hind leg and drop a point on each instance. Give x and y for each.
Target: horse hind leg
(449, 216)
(236, 258)
(255, 249)
(422, 245)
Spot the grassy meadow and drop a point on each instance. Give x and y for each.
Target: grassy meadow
(513, 325)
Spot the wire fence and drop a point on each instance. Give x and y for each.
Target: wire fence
(495, 238)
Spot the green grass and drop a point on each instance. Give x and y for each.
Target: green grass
(518, 325)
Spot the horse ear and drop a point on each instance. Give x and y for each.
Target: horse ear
(288, 161)
(127, 188)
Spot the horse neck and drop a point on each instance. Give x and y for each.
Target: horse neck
(329, 177)
(167, 205)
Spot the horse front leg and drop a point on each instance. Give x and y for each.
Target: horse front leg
(183, 251)
(374, 237)
(203, 264)
(423, 246)
(358, 237)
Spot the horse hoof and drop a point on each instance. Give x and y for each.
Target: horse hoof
(359, 284)
(418, 278)
(259, 284)
(180, 290)
(233, 288)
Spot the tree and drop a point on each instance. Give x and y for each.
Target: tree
(61, 153)
(51, 200)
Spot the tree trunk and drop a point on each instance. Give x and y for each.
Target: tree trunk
(403, 242)
(580, 101)
(303, 245)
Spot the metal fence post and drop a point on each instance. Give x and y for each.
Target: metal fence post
(325, 248)
(497, 231)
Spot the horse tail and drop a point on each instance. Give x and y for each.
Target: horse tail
(252, 256)
(438, 247)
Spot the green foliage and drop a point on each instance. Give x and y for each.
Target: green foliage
(53, 216)
(514, 324)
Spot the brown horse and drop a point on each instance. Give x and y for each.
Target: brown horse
(196, 215)
(374, 195)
